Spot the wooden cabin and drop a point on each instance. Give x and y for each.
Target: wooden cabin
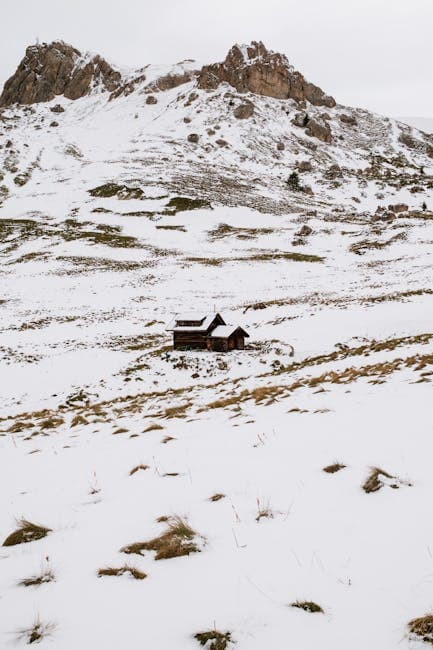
(227, 337)
(205, 332)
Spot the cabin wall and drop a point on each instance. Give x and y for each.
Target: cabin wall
(193, 340)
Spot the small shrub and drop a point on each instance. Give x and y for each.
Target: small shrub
(214, 640)
(120, 571)
(308, 606)
(293, 182)
(26, 532)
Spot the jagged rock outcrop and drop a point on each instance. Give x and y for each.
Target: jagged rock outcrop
(260, 71)
(57, 69)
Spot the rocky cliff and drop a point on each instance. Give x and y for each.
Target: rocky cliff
(57, 69)
(255, 69)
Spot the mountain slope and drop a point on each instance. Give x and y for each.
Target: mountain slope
(309, 223)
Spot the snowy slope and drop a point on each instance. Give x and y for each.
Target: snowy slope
(91, 389)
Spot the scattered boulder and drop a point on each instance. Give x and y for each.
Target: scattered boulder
(398, 207)
(301, 120)
(348, 119)
(187, 120)
(57, 69)
(222, 143)
(58, 108)
(244, 111)
(333, 172)
(304, 231)
(319, 130)
(280, 146)
(255, 69)
(304, 166)
(54, 124)
(193, 138)
(151, 99)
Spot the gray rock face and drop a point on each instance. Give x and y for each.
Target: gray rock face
(57, 69)
(262, 72)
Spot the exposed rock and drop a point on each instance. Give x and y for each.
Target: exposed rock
(222, 143)
(151, 99)
(187, 120)
(304, 166)
(58, 108)
(170, 81)
(304, 231)
(300, 119)
(334, 171)
(244, 111)
(319, 130)
(348, 119)
(193, 137)
(399, 207)
(260, 71)
(280, 146)
(57, 69)
(54, 124)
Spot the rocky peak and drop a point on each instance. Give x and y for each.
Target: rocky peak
(48, 70)
(253, 68)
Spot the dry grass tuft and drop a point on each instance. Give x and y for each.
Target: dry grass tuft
(374, 482)
(214, 640)
(264, 511)
(177, 540)
(422, 627)
(137, 468)
(26, 532)
(36, 632)
(217, 497)
(46, 575)
(123, 570)
(308, 606)
(335, 467)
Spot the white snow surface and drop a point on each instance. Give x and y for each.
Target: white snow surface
(90, 387)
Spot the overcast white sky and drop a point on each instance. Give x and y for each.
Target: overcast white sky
(372, 53)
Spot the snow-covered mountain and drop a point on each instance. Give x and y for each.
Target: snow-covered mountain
(302, 463)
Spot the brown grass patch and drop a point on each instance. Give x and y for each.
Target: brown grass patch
(217, 497)
(153, 427)
(177, 540)
(123, 570)
(374, 482)
(308, 606)
(422, 627)
(137, 468)
(26, 532)
(46, 575)
(335, 467)
(213, 639)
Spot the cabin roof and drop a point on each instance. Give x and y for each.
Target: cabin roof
(204, 319)
(224, 331)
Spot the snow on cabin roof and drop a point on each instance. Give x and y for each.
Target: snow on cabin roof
(224, 331)
(204, 319)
